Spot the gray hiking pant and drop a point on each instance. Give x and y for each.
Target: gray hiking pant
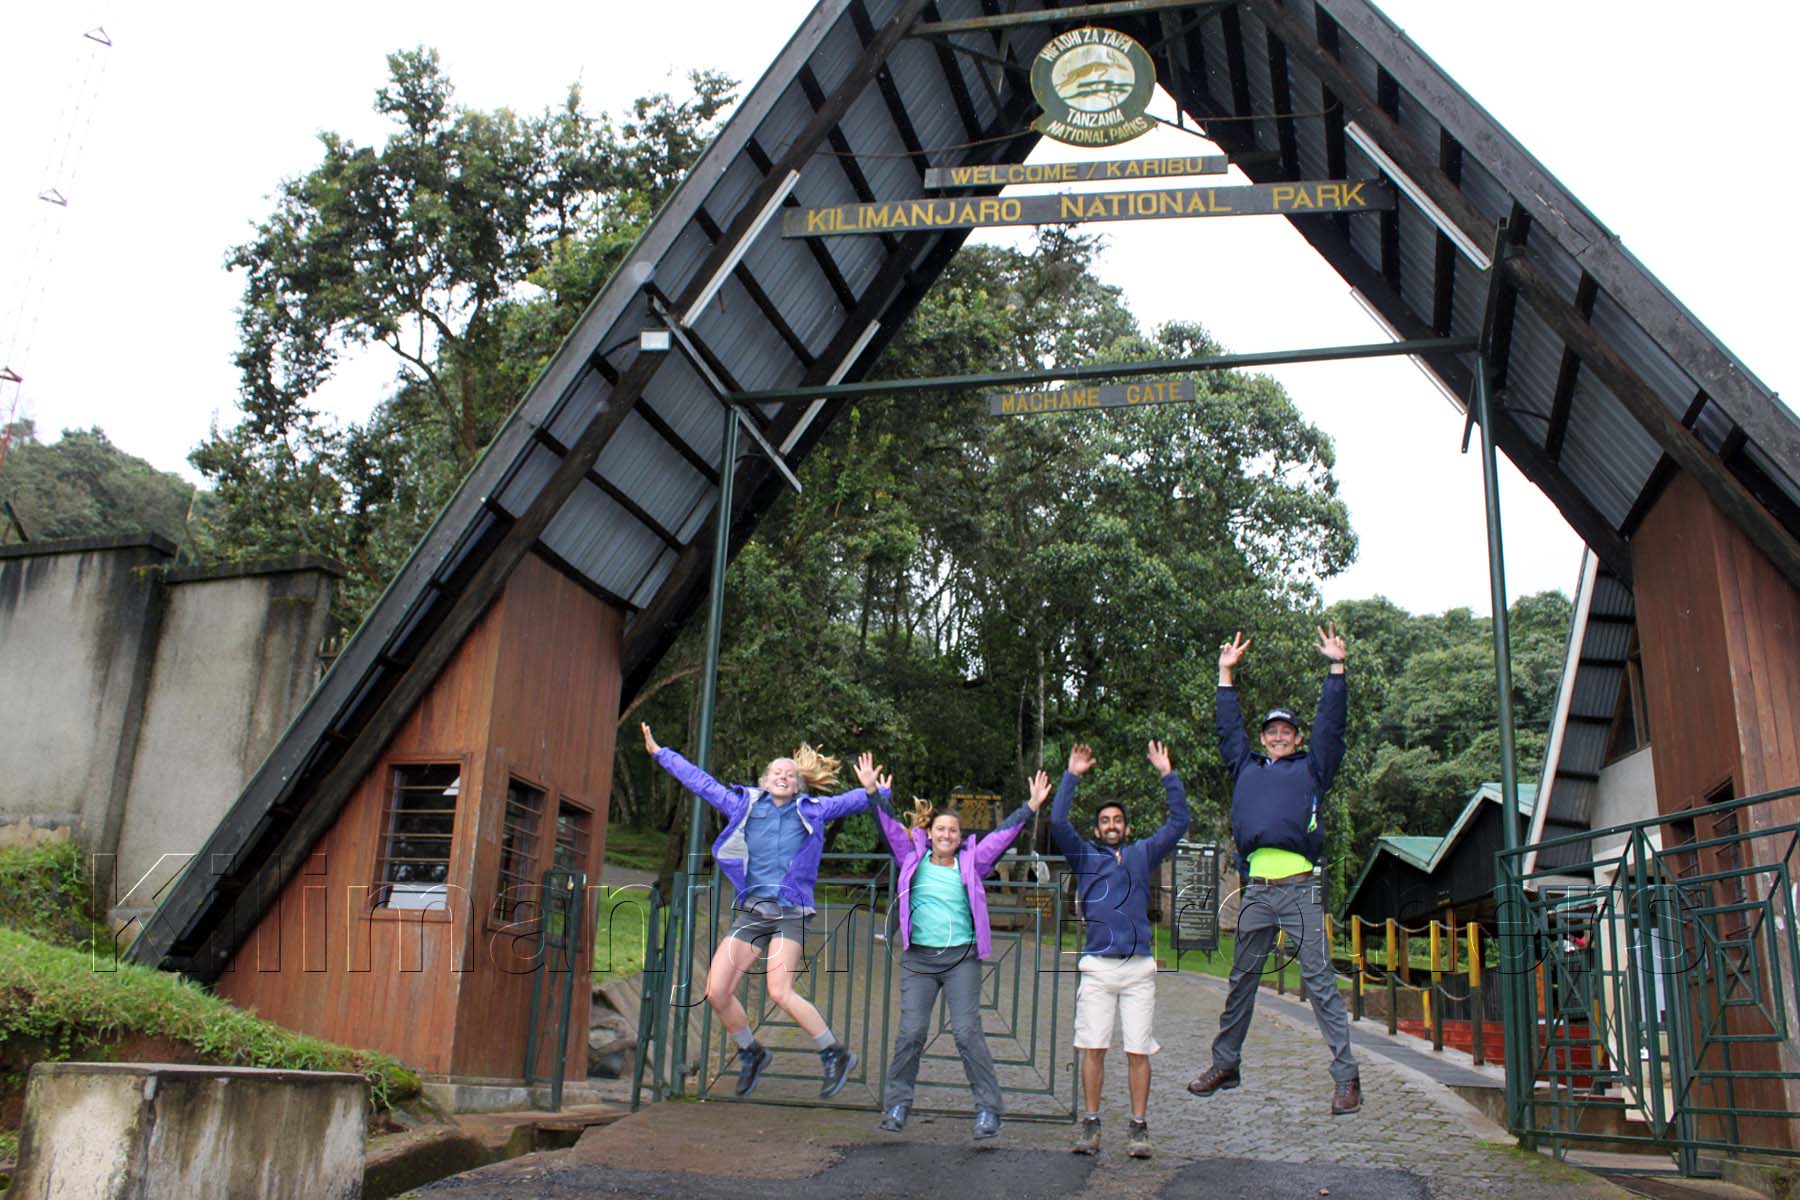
(925, 971)
(1265, 909)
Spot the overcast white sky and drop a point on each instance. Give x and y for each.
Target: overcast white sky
(1668, 121)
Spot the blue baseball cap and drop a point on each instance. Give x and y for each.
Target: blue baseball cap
(1282, 714)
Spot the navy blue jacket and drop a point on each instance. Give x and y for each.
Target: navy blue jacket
(1275, 803)
(1114, 886)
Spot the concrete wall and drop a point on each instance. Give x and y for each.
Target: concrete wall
(139, 697)
(134, 1131)
(237, 657)
(78, 627)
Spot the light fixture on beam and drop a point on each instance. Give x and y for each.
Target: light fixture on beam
(837, 376)
(1412, 191)
(769, 209)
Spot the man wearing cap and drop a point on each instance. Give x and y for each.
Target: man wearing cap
(1275, 824)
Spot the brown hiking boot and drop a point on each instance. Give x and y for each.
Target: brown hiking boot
(1087, 1140)
(1346, 1098)
(1215, 1079)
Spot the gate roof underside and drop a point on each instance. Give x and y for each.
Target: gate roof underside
(1606, 384)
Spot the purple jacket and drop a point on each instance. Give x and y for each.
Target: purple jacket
(974, 859)
(731, 849)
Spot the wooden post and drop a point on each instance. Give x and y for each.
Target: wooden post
(1406, 958)
(1477, 1010)
(1450, 946)
(1280, 963)
(1356, 961)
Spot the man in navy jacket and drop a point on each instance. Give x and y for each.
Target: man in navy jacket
(1275, 809)
(1113, 877)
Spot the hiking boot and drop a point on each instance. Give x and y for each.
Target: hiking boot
(1215, 1079)
(987, 1124)
(1087, 1140)
(836, 1063)
(1346, 1097)
(751, 1061)
(894, 1120)
(1137, 1140)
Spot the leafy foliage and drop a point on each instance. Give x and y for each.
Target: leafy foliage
(466, 245)
(45, 893)
(84, 486)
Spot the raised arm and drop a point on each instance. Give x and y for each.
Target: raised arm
(989, 848)
(691, 777)
(879, 787)
(1334, 712)
(1158, 845)
(1228, 721)
(1062, 830)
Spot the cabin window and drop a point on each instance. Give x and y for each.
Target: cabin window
(418, 830)
(1631, 715)
(519, 851)
(574, 833)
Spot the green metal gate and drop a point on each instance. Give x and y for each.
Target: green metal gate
(853, 978)
(1658, 1005)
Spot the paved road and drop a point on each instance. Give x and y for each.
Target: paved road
(1273, 1137)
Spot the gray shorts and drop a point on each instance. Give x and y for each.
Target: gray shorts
(765, 920)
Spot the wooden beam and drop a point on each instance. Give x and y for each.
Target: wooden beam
(1367, 112)
(326, 798)
(801, 149)
(1641, 401)
(1567, 372)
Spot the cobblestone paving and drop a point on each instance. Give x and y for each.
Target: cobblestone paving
(1274, 1136)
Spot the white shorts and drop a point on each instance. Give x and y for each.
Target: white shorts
(1122, 986)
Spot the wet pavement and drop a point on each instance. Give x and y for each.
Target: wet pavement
(1273, 1137)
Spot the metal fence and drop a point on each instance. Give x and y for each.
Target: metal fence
(1657, 1005)
(852, 976)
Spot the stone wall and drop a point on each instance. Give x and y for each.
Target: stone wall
(142, 695)
(134, 1131)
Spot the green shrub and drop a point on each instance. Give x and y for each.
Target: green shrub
(44, 891)
(54, 1005)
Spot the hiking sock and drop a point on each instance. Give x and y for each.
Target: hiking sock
(826, 1040)
(744, 1038)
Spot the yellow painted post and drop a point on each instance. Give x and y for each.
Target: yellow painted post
(1477, 1010)
(1360, 964)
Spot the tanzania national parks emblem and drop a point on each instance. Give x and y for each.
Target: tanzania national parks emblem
(1093, 85)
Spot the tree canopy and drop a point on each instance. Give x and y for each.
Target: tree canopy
(466, 245)
(84, 486)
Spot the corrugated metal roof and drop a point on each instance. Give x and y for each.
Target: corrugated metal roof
(840, 118)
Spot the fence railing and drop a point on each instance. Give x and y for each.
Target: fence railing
(1665, 988)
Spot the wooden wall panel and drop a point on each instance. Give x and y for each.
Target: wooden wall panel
(320, 961)
(1681, 627)
(555, 708)
(1720, 631)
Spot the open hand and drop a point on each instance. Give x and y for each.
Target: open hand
(1159, 757)
(867, 773)
(1081, 759)
(1040, 790)
(650, 746)
(1331, 644)
(1230, 652)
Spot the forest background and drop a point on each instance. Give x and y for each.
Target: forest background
(965, 597)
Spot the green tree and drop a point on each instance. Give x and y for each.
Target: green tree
(84, 486)
(466, 245)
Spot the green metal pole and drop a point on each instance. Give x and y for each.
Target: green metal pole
(1519, 1033)
(709, 696)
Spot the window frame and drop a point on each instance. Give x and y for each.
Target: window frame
(380, 887)
(501, 915)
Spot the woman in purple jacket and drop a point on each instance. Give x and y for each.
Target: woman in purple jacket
(769, 849)
(942, 908)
